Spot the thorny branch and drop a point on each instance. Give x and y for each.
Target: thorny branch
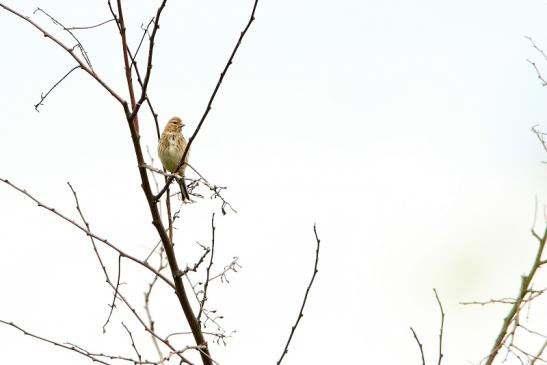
(301, 313)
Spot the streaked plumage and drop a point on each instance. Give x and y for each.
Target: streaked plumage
(171, 148)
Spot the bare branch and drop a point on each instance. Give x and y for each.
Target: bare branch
(136, 106)
(67, 347)
(91, 26)
(69, 50)
(538, 355)
(538, 73)
(78, 43)
(132, 342)
(419, 345)
(301, 313)
(162, 265)
(44, 96)
(87, 231)
(442, 327)
(113, 305)
(541, 136)
(208, 272)
(536, 47)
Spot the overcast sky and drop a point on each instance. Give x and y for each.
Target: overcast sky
(401, 128)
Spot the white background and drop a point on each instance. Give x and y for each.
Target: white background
(401, 128)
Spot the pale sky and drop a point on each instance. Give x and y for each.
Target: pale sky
(401, 128)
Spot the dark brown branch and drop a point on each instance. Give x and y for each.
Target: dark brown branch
(134, 63)
(44, 96)
(70, 51)
(132, 119)
(419, 345)
(301, 313)
(442, 327)
(213, 95)
(128, 77)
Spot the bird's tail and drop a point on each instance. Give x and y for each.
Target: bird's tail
(183, 191)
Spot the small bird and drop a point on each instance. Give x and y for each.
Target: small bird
(170, 150)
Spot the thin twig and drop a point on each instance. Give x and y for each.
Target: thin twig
(113, 305)
(301, 313)
(147, 295)
(91, 26)
(132, 341)
(70, 51)
(442, 327)
(145, 32)
(538, 73)
(541, 136)
(419, 345)
(536, 47)
(44, 96)
(144, 87)
(87, 231)
(79, 44)
(208, 271)
(78, 350)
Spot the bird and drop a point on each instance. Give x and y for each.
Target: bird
(170, 150)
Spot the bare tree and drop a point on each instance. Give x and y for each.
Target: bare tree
(158, 197)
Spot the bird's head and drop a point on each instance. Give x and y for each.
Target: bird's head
(175, 125)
